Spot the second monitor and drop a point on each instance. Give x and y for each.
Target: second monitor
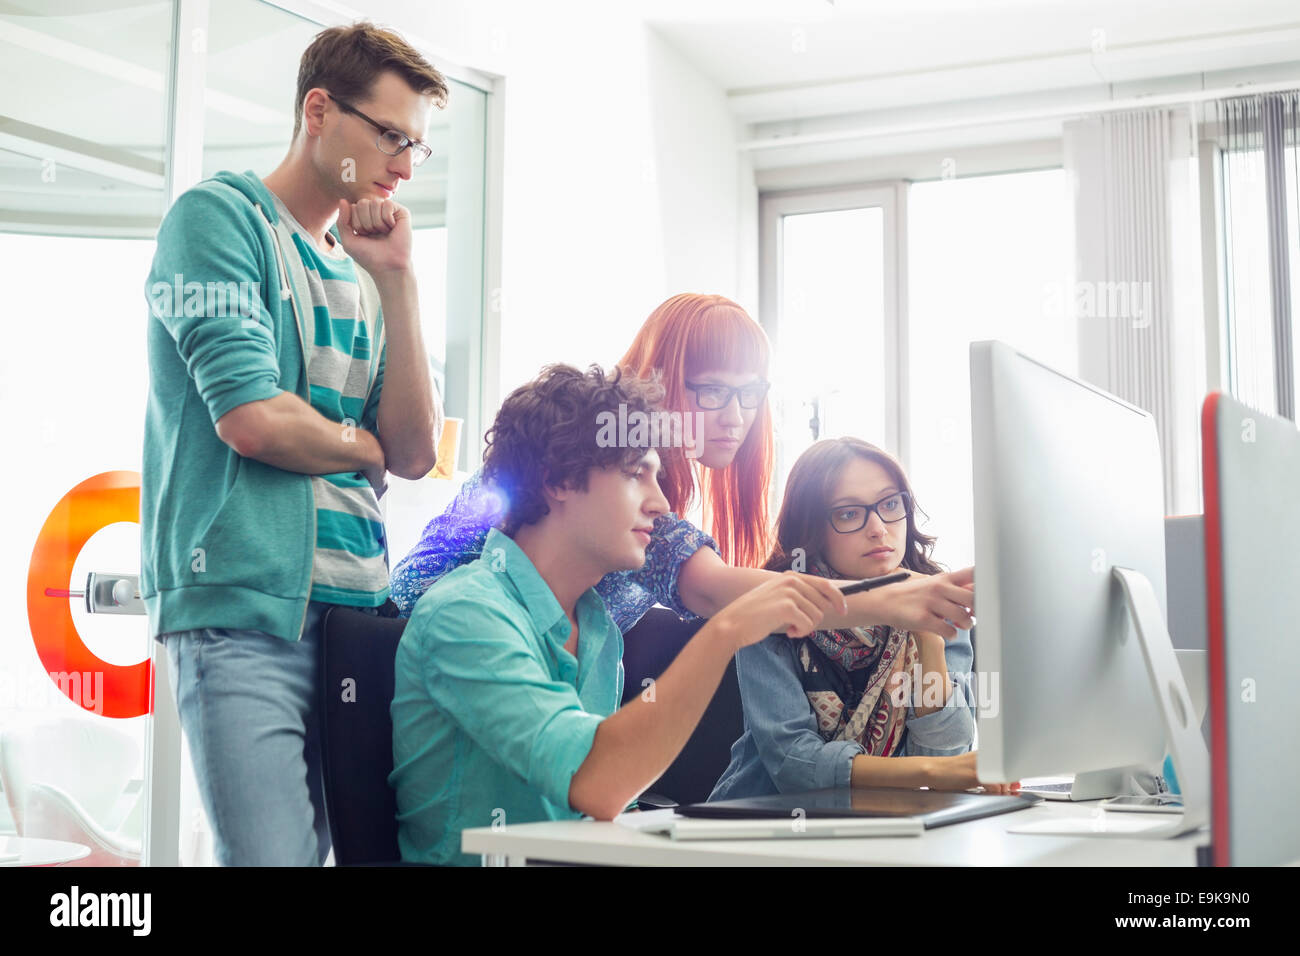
(1070, 575)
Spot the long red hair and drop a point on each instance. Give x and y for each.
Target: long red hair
(687, 335)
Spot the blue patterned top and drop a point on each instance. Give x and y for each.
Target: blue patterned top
(456, 537)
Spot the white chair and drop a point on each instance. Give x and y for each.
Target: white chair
(74, 779)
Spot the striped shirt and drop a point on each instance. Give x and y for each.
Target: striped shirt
(350, 563)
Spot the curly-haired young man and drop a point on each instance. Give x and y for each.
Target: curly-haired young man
(509, 674)
(287, 375)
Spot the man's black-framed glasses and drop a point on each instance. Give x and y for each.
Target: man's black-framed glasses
(390, 141)
(847, 519)
(710, 396)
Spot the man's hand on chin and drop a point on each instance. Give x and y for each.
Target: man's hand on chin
(377, 234)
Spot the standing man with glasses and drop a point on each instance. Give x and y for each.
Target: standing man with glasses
(288, 375)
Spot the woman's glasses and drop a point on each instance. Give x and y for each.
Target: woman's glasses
(849, 518)
(711, 397)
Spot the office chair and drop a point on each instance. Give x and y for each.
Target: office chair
(648, 648)
(73, 779)
(357, 735)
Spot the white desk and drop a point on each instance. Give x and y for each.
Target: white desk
(984, 842)
(35, 852)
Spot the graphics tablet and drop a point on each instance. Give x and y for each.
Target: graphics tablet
(934, 808)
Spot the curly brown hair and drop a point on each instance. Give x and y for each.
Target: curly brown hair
(547, 433)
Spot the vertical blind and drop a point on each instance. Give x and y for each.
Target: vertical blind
(1261, 202)
(1140, 333)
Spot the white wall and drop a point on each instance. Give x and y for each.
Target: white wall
(622, 183)
(707, 196)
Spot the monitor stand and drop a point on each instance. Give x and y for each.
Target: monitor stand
(1187, 748)
(1095, 785)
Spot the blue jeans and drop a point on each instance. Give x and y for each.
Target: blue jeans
(249, 704)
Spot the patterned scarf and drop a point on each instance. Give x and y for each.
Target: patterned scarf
(850, 678)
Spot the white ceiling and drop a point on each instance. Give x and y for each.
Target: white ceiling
(787, 59)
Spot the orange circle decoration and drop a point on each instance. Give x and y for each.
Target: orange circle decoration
(97, 502)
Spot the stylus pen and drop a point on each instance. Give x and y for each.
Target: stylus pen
(866, 584)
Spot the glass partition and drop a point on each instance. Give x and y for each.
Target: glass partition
(84, 157)
(83, 99)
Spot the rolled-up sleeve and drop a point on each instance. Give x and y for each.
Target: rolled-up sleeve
(950, 729)
(478, 669)
(673, 542)
(782, 722)
(209, 297)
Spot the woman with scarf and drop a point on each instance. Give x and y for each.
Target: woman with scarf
(855, 706)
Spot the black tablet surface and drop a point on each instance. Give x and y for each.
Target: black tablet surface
(935, 808)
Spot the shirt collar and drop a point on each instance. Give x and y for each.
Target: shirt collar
(538, 599)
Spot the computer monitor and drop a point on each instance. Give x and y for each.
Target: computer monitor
(1075, 654)
(1185, 580)
(1251, 470)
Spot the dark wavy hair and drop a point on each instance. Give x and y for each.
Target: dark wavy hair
(547, 434)
(803, 520)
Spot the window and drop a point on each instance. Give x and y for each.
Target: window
(832, 255)
(85, 156)
(1256, 265)
(988, 258)
(1247, 281)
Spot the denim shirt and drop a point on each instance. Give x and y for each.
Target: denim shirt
(782, 751)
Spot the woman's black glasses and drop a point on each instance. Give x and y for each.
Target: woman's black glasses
(711, 397)
(849, 518)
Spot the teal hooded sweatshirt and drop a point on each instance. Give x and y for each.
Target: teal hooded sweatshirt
(227, 541)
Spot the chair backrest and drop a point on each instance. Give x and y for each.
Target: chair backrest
(51, 813)
(649, 647)
(357, 664)
(84, 757)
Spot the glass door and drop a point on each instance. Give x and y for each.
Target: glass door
(83, 129)
(108, 111)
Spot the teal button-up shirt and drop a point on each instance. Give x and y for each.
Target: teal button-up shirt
(491, 715)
